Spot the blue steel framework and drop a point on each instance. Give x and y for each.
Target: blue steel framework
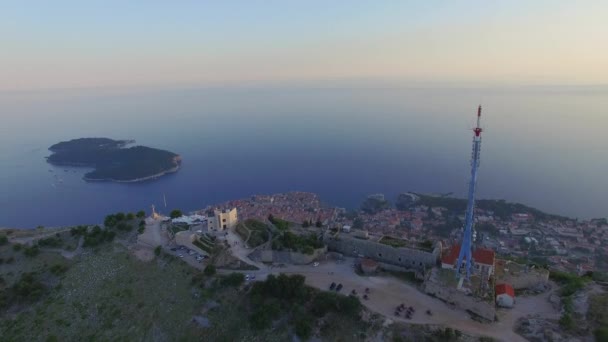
(467, 236)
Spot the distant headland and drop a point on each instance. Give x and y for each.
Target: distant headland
(113, 161)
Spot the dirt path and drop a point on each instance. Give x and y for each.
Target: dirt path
(75, 252)
(237, 248)
(152, 234)
(152, 237)
(27, 240)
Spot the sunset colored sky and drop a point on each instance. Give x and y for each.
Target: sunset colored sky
(64, 44)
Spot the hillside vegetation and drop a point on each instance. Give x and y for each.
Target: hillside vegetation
(501, 208)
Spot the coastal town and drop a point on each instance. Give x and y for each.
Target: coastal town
(561, 243)
(398, 261)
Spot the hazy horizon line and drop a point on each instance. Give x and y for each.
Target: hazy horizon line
(356, 83)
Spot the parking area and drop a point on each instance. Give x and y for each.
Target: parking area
(189, 255)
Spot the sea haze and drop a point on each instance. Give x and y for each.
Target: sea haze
(545, 147)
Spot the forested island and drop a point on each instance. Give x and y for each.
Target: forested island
(113, 160)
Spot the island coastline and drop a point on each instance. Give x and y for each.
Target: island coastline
(138, 180)
(112, 161)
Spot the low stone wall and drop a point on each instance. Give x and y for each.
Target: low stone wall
(459, 299)
(302, 259)
(394, 268)
(287, 257)
(525, 280)
(412, 259)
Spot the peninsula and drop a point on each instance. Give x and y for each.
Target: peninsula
(113, 161)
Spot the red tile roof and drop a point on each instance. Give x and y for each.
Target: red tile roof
(451, 257)
(368, 263)
(480, 256)
(505, 288)
(484, 256)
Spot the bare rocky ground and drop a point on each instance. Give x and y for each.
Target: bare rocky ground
(536, 327)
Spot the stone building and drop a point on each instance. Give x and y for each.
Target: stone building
(405, 258)
(505, 295)
(369, 266)
(483, 260)
(222, 219)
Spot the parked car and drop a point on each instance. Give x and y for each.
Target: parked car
(332, 286)
(315, 264)
(339, 287)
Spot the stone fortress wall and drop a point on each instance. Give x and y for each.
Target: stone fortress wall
(286, 257)
(408, 258)
(525, 280)
(520, 276)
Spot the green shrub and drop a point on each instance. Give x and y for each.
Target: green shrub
(58, 269)
(79, 230)
(124, 227)
(176, 213)
(264, 314)
(209, 270)
(233, 279)
(304, 244)
(566, 321)
(571, 283)
(3, 239)
(280, 224)
(98, 236)
(28, 287)
(303, 326)
(110, 221)
(601, 334)
(50, 242)
(31, 251)
(157, 250)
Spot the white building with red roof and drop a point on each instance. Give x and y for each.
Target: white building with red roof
(505, 295)
(483, 260)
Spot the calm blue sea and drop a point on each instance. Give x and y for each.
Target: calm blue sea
(545, 147)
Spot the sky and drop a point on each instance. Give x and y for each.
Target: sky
(73, 44)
